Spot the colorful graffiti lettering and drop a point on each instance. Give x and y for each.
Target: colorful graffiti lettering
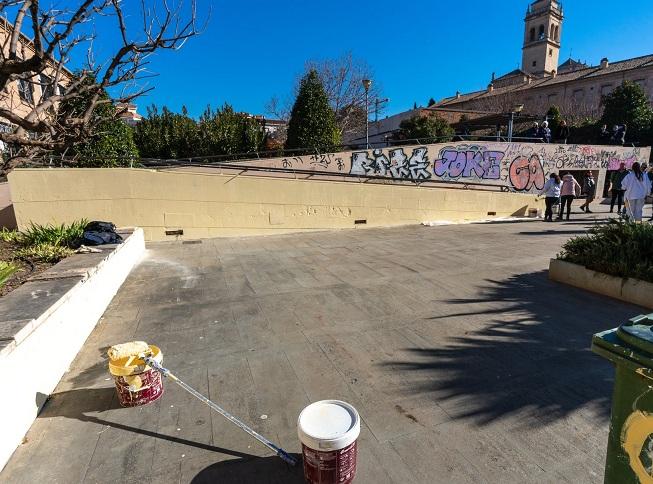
(468, 162)
(526, 173)
(398, 165)
(521, 167)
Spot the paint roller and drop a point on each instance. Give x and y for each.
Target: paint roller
(140, 349)
(132, 349)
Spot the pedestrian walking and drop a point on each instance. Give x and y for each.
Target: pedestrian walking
(616, 189)
(589, 188)
(551, 192)
(563, 132)
(534, 131)
(570, 188)
(637, 186)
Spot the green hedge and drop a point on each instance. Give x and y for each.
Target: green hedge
(617, 248)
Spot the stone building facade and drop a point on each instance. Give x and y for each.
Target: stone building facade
(22, 95)
(575, 87)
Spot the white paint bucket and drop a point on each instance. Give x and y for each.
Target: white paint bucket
(328, 430)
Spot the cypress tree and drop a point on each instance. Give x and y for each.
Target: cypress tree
(312, 122)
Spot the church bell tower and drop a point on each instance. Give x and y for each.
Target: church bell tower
(542, 33)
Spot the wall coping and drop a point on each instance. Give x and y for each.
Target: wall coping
(24, 309)
(626, 289)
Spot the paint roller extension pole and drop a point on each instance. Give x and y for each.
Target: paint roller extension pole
(168, 374)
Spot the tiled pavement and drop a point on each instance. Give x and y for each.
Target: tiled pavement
(466, 363)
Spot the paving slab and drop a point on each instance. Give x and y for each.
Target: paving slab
(465, 362)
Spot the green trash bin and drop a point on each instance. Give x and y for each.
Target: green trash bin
(630, 445)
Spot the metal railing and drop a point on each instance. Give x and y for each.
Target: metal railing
(59, 161)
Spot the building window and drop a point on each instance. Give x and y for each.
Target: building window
(540, 35)
(532, 34)
(557, 33)
(552, 97)
(534, 63)
(47, 87)
(606, 89)
(578, 94)
(25, 90)
(550, 52)
(552, 30)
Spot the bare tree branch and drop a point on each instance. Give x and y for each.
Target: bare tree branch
(35, 83)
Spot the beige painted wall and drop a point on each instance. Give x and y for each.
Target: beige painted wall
(206, 204)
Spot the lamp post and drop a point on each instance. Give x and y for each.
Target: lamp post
(366, 84)
(511, 122)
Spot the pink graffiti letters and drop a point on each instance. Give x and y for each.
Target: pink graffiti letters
(526, 173)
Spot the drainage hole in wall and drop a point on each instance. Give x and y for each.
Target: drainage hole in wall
(360, 222)
(491, 213)
(175, 232)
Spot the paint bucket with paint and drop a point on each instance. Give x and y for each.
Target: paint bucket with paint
(137, 383)
(328, 431)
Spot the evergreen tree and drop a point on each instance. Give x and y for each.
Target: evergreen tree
(312, 122)
(110, 143)
(554, 117)
(166, 134)
(225, 131)
(431, 102)
(425, 128)
(628, 104)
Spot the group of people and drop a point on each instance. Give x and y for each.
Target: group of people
(628, 187)
(615, 137)
(543, 132)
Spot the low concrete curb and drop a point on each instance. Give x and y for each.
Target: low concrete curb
(625, 289)
(45, 322)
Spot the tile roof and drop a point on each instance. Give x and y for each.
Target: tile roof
(583, 73)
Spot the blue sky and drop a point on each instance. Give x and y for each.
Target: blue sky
(253, 49)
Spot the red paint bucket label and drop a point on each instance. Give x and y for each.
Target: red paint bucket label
(141, 389)
(328, 431)
(330, 467)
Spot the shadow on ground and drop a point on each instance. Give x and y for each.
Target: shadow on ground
(531, 357)
(271, 470)
(81, 404)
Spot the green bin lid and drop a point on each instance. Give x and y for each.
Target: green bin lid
(632, 340)
(638, 333)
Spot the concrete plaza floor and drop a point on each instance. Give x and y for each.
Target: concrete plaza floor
(465, 362)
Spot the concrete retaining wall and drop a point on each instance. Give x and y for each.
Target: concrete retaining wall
(630, 290)
(205, 203)
(37, 350)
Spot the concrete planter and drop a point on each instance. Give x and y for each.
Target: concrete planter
(625, 289)
(45, 322)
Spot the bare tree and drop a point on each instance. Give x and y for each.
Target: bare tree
(342, 78)
(38, 45)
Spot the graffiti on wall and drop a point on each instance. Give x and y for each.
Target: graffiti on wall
(521, 167)
(396, 164)
(465, 161)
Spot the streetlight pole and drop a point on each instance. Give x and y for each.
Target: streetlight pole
(366, 84)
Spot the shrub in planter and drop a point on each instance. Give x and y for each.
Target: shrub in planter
(621, 249)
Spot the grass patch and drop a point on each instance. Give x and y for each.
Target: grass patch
(7, 269)
(44, 252)
(621, 249)
(56, 235)
(10, 236)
